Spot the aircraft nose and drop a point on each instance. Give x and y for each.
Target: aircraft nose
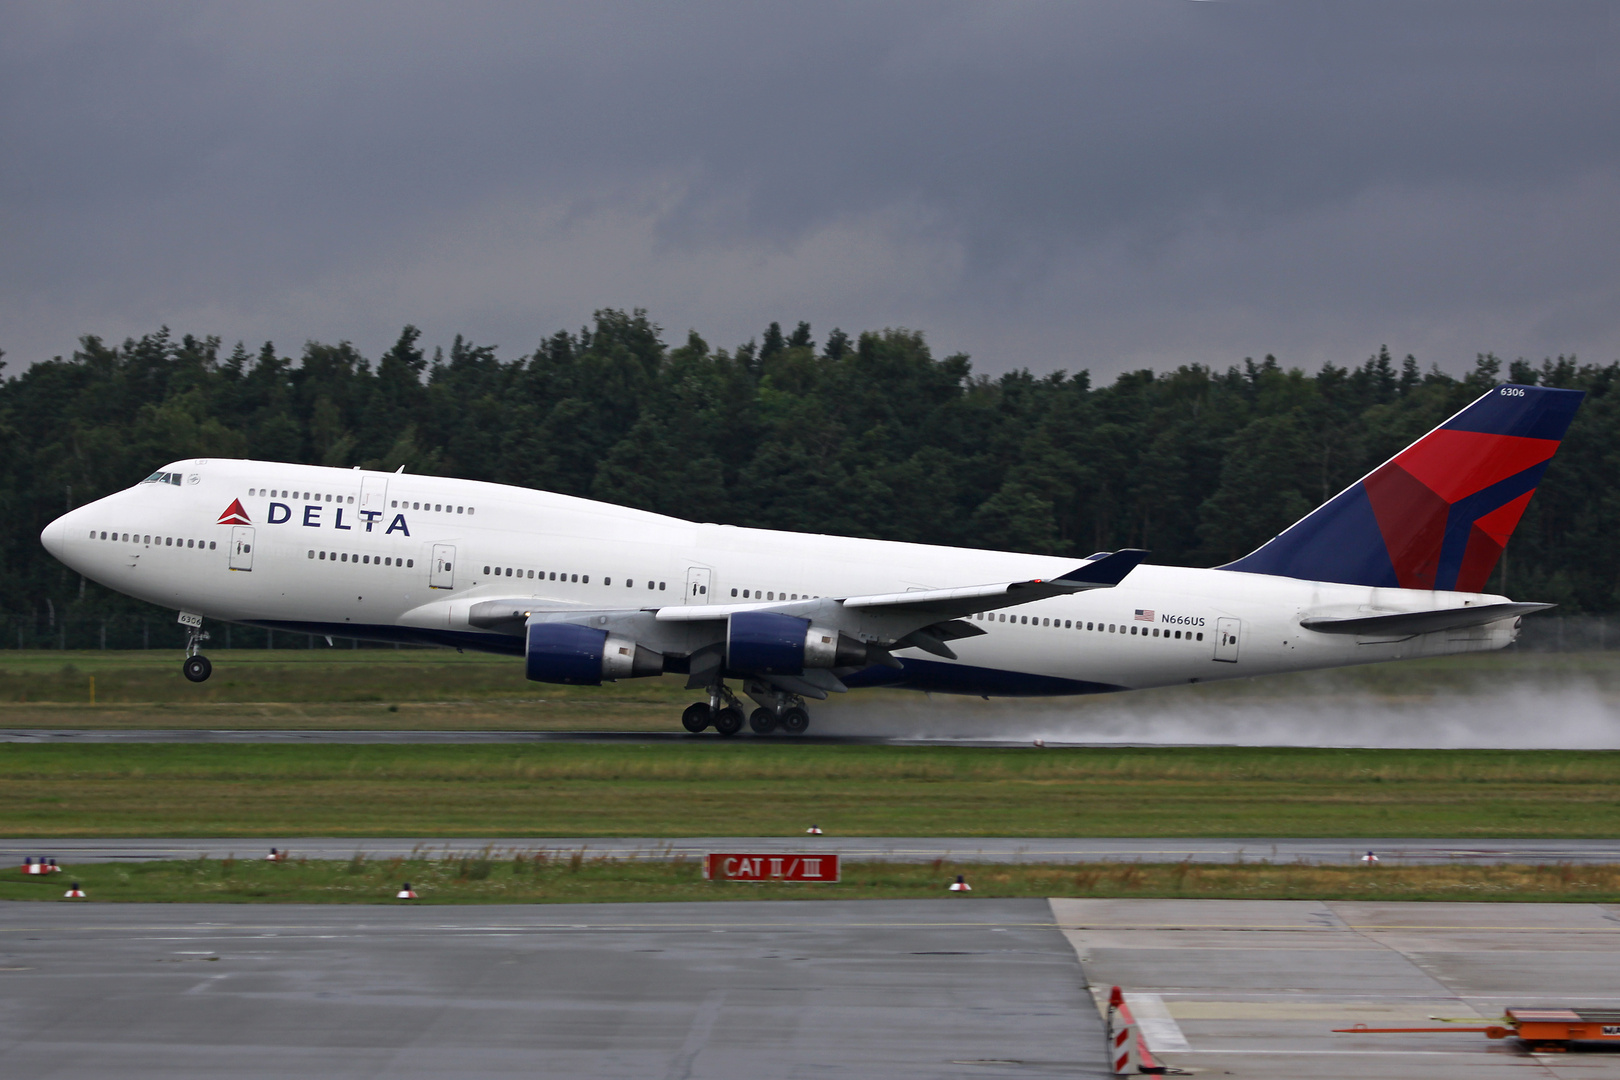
(53, 536)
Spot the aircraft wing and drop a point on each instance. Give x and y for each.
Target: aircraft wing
(939, 604)
(1421, 622)
(875, 625)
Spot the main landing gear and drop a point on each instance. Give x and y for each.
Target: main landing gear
(196, 666)
(777, 711)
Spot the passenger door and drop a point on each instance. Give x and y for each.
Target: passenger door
(443, 574)
(241, 548)
(444, 567)
(374, 496)
(1226, 639)
(697, 585)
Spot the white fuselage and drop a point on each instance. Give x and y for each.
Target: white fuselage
(400, 557)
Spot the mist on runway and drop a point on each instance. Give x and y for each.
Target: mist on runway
(1528, 706)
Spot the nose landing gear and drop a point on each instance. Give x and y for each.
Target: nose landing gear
(196, 667)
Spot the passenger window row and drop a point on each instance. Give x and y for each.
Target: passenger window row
(305, 496)
(162, 541)
(1105, 628)
(562, 575)
(364, 560)
(437, 508)
(771, 594)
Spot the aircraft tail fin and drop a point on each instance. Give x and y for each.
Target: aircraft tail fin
(1438, 514)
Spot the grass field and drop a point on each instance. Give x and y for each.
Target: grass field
(776, 787)
(432, 689)
(710, 787)
(564, 877)
(321, 689)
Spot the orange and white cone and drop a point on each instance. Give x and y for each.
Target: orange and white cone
(960, 885)
(1128, 1053)
(814, 830)
(74, 893)
(405, 893)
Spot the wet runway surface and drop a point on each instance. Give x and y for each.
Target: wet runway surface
(447, 738)
(724, 990)
(1393, 852)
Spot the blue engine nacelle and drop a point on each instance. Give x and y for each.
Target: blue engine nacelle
(584, 655)
(773, 644)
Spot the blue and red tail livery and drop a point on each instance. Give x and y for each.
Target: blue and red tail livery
(1438, 514)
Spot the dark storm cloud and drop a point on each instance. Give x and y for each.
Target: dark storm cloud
(1052, 185)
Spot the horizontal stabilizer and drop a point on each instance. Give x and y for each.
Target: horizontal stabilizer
(1421, 622)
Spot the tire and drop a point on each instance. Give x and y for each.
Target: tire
(762, 721)
(197, 668)
(696, 717)
(795, 720)
(728, 721)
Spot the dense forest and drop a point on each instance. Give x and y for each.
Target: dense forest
(868, 435)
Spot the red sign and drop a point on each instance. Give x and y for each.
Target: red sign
(731, 866)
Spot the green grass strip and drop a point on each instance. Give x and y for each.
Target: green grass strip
(709, 787)
(562, 877)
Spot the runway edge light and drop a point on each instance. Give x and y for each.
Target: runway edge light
(960, 885)
(74, 893)
(405, 892)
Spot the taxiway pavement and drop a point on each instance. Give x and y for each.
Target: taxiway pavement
(1254, 988)
(1342, 852)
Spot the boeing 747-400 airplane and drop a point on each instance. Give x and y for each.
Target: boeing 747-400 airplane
(586, 592)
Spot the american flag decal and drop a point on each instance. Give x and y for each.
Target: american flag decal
(1144, 614)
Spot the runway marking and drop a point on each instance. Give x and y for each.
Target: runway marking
(1158, 1026)
(204, 985)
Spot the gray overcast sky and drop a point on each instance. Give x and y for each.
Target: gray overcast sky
(1042, 185)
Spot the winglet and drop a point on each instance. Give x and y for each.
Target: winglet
(1108, 570)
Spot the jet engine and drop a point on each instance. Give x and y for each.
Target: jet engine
(773, 644)
(558, 652)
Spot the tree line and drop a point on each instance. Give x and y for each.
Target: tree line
(867, 435)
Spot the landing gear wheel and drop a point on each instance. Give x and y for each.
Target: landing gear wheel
(728, 721)
(763, 721)
(696, 717)
(197, 668)
(794, 720)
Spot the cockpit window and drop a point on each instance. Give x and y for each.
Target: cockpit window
(163, 478)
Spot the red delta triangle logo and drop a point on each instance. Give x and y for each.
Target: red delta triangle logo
(234, 515)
